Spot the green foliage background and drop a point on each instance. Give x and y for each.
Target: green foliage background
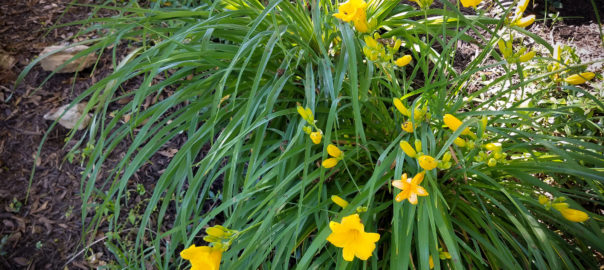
(238, 68)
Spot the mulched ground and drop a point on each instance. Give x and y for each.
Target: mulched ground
(44, 232)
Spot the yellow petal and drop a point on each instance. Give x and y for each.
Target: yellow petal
(406, 147)
(421, 191)
(329, 163)
(399, 183)
(403, 61)
(412, 198)
(574, 215)
(348, 254)
(333, 151)
(453, 123)
(427, 162)
(402, 196)
(339, 201)
(418, 178)
(401, 108)
(431, 262)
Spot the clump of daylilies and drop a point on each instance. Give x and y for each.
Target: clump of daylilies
(564, 209)
(208, 257)
(307, 115)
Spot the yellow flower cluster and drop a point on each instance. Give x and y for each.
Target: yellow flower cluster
(354, 11)
(559, 204)
(307, 115)
(507, 50)
(374, 50)
(350, 235)
(208, 257)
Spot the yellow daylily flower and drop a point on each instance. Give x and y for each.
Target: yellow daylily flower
(350, 10)
(316, 137)
(406, 147)
(410, 188)
(202, 258)
(403, 61)
(580, 78)
(407, 126)
(521, 7)
(427, 162)
(351, 236)
(339, 201)
(470, 3)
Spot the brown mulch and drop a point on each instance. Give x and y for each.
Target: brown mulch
(44, 232)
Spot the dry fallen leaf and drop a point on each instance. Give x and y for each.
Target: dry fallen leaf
(52, 62)
(71, 116)
(6, 61)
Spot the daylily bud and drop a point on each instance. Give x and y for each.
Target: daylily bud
(580, 78)
(329, 163)
(400, 107)
(339, 201)
(408, 149)
(334, 151)
(427, 162)
(403, 61)
(316, 137)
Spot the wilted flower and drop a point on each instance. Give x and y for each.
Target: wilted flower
(351, 236)
(407, 126)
